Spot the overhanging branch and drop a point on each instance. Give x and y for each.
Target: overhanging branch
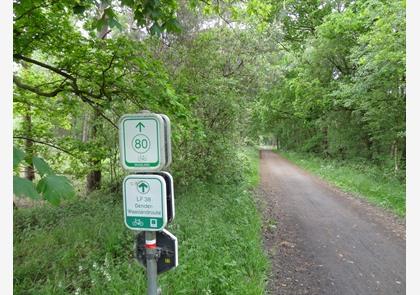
(44, 65)
(45, 143)
(36, 90)
(96, 108)
(85, 96)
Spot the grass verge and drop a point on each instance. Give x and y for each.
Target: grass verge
(361, 179)
(252, 166)
(83, 247)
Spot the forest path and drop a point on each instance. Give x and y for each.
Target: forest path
(323, 241)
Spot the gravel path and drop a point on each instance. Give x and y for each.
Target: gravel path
(323, 241)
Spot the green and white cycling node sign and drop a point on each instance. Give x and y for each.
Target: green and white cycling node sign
(142, 142)
(144, 197)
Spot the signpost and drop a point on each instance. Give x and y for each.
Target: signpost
(148, 194)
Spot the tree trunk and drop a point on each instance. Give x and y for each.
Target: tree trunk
(396, 162)
(85, 129)
(29, 146)
(395, 155)
(93, 179)
(368, 144)
(325, 141)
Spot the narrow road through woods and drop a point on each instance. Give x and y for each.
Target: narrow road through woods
(323, 241)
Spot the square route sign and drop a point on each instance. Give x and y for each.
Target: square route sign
(142, 142)
(144, 198)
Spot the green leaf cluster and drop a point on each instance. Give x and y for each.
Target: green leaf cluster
(51, 187)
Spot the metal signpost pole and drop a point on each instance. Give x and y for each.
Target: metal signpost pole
(148, 193)
(151, 256)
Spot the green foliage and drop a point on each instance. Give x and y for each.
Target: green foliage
(212, 69)
(42, 166)
(18, 156)
(72, 88)
(24, 188)
(72, 85)
(250, 158)
(341, 86)
(326, 77)
(300, 18)
(323, 76)
(50, 187)
(83, 246)
(55, 188)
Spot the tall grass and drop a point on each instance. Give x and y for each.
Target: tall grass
(83, 247)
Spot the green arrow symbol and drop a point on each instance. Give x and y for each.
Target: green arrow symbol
(143, 186)
(139, 125)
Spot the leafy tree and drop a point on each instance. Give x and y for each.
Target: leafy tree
(110, 76)
(319, 76)
(341, 87)
(377, 89)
